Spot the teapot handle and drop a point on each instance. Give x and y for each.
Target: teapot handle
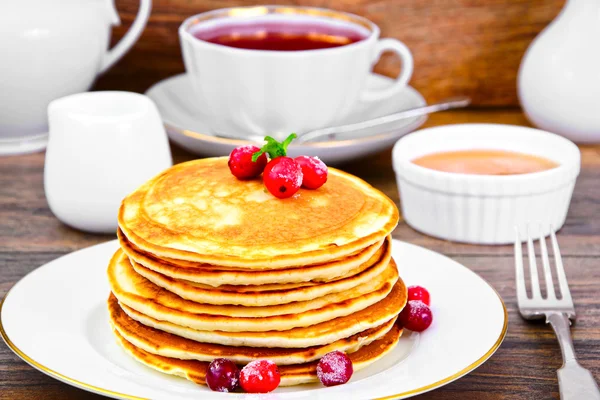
(132, 35)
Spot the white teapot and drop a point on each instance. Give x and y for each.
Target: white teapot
(50, 49)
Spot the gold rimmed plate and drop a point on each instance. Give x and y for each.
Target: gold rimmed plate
(188, 127)
(56, 320)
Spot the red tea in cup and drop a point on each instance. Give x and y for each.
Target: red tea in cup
(280, 35)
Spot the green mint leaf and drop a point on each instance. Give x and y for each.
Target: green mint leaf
(287, 141)
(257, 154)
(274, 148)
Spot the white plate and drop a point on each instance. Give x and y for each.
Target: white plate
(187, 126)
(56, 320)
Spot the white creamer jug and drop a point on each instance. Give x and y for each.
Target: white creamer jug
(50, 49)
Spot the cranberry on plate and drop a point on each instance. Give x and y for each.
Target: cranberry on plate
(260, 376)
(418, 293)
(416, 316)
(223, 375)
(335, 368)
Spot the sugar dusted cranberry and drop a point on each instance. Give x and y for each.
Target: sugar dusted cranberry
(222, 375)
(282, 177)
(418, 293)
(314, 172)
(416, 316)
(261, 376)
(241, 164)
(335, 368)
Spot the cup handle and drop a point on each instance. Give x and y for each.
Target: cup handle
(132, 35)
(405, 56)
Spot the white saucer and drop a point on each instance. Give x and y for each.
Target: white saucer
(23, 145)
(56, 320)
(187, 127)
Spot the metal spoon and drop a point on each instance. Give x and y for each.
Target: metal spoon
(456, 102)
(413, 112)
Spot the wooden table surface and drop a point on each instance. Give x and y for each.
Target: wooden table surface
(523, 368)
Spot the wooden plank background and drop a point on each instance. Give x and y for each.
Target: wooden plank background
(470, 47)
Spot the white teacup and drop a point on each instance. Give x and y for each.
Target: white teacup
(255, 92)
(101, 147)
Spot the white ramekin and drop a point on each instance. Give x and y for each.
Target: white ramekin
(485, 209)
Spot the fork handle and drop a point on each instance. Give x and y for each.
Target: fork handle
(574, 381)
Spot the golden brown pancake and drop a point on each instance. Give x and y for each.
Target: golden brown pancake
(244, 295)
(276, 293)
(165, 344)
(314, 335)
(198, 211)
(144, 296)
(211, 275)
(195, 371)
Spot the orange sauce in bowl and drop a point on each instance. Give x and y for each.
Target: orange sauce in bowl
(485, 162)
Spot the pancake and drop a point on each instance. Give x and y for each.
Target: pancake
(315, 335)
(211, 275)
(376, 289)
(195, 371)
(198, 211)
(142, 295)
(168, 345)
(244, 295)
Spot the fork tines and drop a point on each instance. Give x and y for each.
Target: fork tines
(536, 303)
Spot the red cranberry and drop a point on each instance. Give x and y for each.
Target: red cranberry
(222, 375)
(418, 293)
(313, 170)
(335, 368)
(241, 164)
(261, 376)
(282, 177)
(416, 316)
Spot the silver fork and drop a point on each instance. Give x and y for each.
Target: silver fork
(574, 381)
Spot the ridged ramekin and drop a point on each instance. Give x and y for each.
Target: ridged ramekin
(485, 209)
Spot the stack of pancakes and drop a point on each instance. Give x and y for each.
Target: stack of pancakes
(211, 266)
